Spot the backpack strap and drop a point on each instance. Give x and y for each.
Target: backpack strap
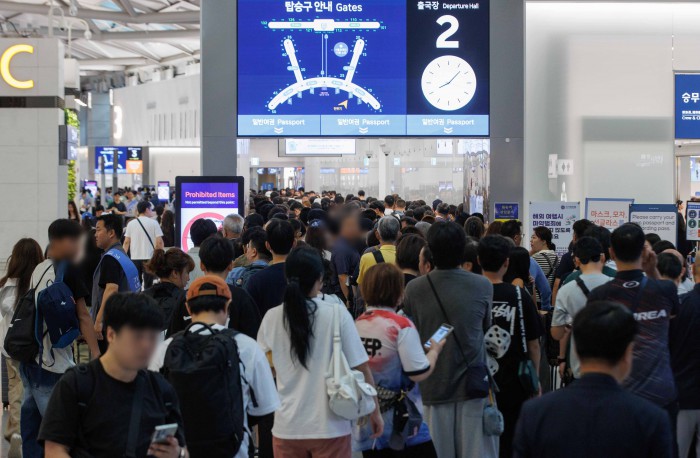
(84, 387)
(61, 271)
(378, 256)
(135, 420)
(583, 286)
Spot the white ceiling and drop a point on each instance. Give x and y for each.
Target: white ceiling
(126, 35)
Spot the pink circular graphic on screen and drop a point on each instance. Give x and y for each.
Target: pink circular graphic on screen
(184, 241)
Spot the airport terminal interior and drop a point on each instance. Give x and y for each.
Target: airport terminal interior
(349, 228)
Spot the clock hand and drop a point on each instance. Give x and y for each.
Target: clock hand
(453, 78)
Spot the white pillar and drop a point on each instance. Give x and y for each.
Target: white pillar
(29, 142)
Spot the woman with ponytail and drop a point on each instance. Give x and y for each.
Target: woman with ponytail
(173, 269)
(299, 336)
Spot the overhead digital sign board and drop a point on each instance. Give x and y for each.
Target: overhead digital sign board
(375, 68)
(687, 105)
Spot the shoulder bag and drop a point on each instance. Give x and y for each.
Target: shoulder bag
(146, 232)
(349, 396)
(477, 374)
(527, 374)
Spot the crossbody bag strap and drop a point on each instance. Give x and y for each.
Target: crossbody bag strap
(135, 420)
(522, 319)
(336, 343)
(447, 319)
(146, 232)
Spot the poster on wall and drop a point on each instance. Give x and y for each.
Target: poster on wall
(656, 219)
(504, 211)
(609, 213)
(212, 198)
(363, 68)
(558, 217)
(692, 220)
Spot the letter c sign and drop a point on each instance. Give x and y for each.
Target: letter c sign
(5, 60)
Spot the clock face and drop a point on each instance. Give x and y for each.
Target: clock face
(448, 83)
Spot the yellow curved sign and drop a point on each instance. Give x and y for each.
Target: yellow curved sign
(5, 60)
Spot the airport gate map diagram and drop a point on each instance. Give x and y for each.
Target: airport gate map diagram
(324, 67)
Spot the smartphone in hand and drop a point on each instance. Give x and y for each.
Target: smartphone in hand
(441, 334)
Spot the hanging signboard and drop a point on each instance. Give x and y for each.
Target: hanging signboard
(558, 217)
(656, 219)
(692, 220)
(609, 213)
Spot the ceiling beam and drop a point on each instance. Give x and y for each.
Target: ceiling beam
(153, 36)
(141, 51)
(185, 17)
(127, 7)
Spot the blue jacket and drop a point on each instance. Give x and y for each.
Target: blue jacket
(542, 284)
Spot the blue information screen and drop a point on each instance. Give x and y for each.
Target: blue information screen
(363, 68)
(687, 101)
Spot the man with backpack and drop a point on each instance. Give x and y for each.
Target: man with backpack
(257, 254)
(216, 401)
(56, 302)
(115, 273)
(387, 231)
(215, 260)
(572, 297)
(111, 407)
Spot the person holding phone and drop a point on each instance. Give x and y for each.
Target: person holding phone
(113, 407)
(398, 362)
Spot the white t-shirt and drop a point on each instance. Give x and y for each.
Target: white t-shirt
(257, 375)
(8, 298)
(305, 413)
(56, 360)
(140, 248)
(570, 301)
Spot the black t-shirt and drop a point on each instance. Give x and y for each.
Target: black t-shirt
(110, 272)
(565, 267)
(505, 313)
(684, 343)
(104, 423)
(75, 280)
(267, 287)
(243, 313)
(120, 206)
(651, 376)
(244, 316)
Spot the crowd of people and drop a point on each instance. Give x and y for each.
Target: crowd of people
(320, 325)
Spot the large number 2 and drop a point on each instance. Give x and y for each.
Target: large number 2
(442, 41)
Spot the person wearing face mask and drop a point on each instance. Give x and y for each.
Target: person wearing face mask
(173, 270)
(142, 237)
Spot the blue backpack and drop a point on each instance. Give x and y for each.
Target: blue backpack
(57, 308)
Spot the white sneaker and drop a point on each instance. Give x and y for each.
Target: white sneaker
(15, 446)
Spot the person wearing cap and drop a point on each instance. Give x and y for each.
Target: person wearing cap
(208, 301)
(143, 236)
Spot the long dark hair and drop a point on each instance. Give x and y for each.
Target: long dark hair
(26, 255)
(303, 268)
(519, 266)
(72, 206)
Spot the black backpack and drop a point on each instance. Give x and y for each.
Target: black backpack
(21, 342)
(205, 371)
(168, 300)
